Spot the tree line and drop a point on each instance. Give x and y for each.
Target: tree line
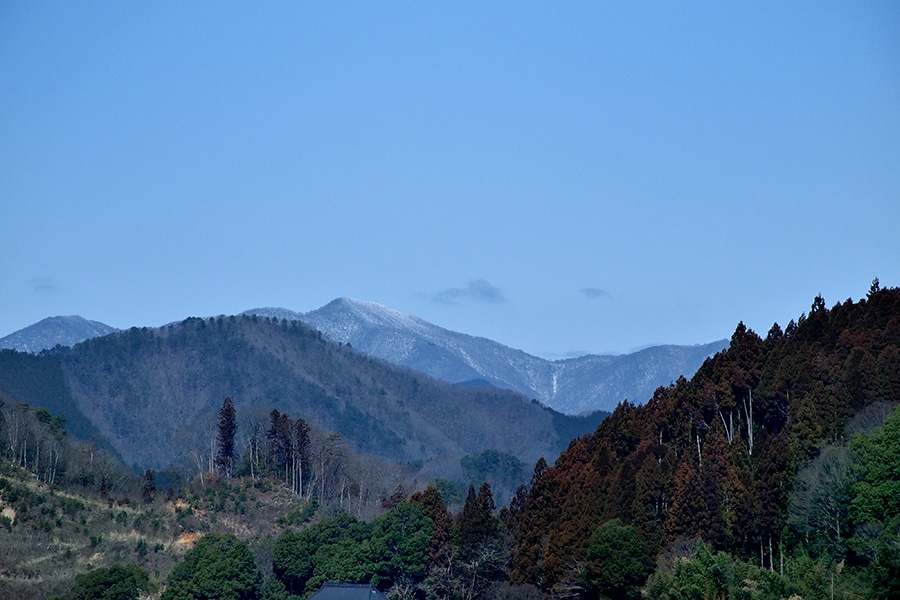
(726, 459)
(38, 442)
(314, 465)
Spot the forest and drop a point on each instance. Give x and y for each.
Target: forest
(774, 472)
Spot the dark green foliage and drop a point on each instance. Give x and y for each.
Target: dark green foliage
(617, 563)
(298, 516)
(399, 545)
(573, 426)
(450, 491)
(476, 522)
(110, 583)
(390, 549)
(885, 570)
(492, 463)
(876, 495)
(218, 566)
(503, 471)
(709, 575)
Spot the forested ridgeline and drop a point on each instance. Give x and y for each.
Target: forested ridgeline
(152, 394)
(725, 457)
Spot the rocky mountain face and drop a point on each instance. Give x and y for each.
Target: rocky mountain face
(570, 386)
(53, 331)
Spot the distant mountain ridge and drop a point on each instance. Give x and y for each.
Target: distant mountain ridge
(570, 386)
(53, 331)
(153, 394)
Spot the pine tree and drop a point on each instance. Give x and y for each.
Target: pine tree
(650, 501)
(299, 455)
(439, 545)
(278, 443)
(532, 530)
(476, 522)
(225, 439)
(148, 487)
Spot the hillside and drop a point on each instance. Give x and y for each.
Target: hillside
(570, 386)
(67, 508)
(714, 458)
(152, 394)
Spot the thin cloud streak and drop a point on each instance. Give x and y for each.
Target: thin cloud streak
(42, 284)
(595, 294)
(477, 290)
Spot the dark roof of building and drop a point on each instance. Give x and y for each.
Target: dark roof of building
(347, 591)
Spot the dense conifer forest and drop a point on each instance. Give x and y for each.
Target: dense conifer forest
(773, 473)
(763, 460)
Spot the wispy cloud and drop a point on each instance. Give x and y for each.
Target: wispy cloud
(42, 284)
(595, 294)
(477, 290)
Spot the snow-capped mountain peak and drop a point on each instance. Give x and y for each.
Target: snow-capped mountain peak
(53, 331)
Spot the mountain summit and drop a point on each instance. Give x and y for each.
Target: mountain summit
(53, 331)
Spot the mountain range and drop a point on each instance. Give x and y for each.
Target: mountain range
(570, 386)
(153, 395)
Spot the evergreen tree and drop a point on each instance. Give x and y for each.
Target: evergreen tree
(468, 525)
(225, 439)
(650, 500)
(688, 516)
(538, 513)
(148, 487)
(110, 583)
(439, 546)
(279, 444)
(299, 455)
(218, 566)
(616, 562)
(476, 522)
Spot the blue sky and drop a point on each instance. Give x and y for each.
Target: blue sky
(560, 177)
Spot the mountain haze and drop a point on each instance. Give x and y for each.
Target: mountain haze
(570, 386)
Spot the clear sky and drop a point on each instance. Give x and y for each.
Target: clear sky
(562, 177)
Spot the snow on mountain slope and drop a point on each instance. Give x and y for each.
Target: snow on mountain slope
(570, 386)
(53, 331)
